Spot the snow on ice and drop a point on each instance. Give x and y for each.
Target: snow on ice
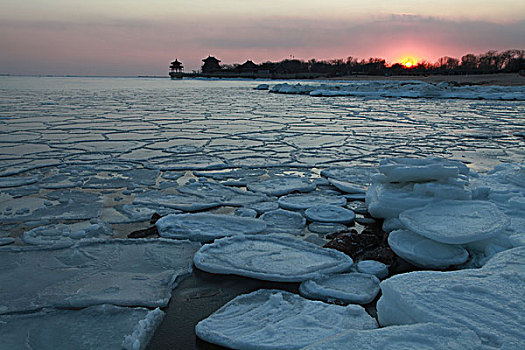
(274, 319)
(271, 258)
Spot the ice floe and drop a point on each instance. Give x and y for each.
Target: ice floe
(270, 257)
(329, 213)
(16, 181)
(409, 337)
(120, 272)
(281, 185)
(284, 221)
(95, 327)
(305, 201)
(224, 195)
(181, 201)
(274, 319)
(204, 227)
(372, 267)
(425, 252)
(405, 89)
(353, 288)
(326, 228)
(60, 234)
(456, 222)
(488, 300)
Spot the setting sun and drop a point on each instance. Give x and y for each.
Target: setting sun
(408, 62)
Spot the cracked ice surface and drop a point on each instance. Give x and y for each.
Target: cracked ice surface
(101, 326)
(119, 272)
(116, 139)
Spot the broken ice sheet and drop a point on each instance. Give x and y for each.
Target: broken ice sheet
(66, 233)
(121, 272)
(95, 327)
(275, 319)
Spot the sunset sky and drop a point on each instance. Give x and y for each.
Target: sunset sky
(132, 37)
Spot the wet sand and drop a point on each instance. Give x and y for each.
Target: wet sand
(503, 79)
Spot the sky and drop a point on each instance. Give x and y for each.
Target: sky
(141, 37)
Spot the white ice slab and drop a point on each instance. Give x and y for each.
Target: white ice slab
(326, 228)
(204, 227)
(431, 336)
(281, 185)
(373, 267)
(488, 301)
(425, 252)
(263, 207)
(329, 213)
(120, 272)
(66, 233)
(181, 201)
(271, 258)
(305, 201)
(347, 187)
(456, 222)
(224, 195)
(353, 288)
(96, 327)
(274, 319)
(284, 221)
(419, 170)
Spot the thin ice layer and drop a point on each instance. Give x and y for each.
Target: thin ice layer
(354, 288)
(425, 252)
(455, 221)
(271, 258)
(423, 336)
(96, 327)
(488, 301)
(281, 185)
(274, 319)
(305, 201)
(205, 227)
(329, 213)
(120, 272)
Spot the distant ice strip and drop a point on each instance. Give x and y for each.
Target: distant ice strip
(405, 89)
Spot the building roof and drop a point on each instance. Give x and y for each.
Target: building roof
(210, 59)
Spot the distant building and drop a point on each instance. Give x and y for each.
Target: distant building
(176, 69)
(247, 67)
(211, 65)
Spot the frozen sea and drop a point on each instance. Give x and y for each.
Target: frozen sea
(96, 157)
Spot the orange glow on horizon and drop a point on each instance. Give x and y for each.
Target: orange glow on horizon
(409, 62)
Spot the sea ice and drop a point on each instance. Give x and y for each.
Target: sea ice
(17, 181)
(425, 252)
(281, 185)
(488, 300)
(262, 87)
(246, 212)
(184, 202)
(273, 319)
(284, 221)
(420, 170)
(430, 336)
(326, 228)
(263, 207)
(372, 267)
(206, 227)
(6, 240)
(305, 201)
(347, 187)
(66, 233)
(136, 272)
(455, 221)
(329, 213)
(234, 177)
(353, 288)
(271, 258)
(96, 327)
(224, 195)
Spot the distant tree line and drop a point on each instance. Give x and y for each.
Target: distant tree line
(492, 61)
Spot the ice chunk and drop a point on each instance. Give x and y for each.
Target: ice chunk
(455, 221)
(354, 288)
(305, 201)
(347, 187)
(221, 194)
(181, 201)
(136, 272)
(271, 258)
(488, 301)
(419, 170)
(235, 177)
(66, 233)
(96, 327)
(206, 227)
(263, 207)
(326, 228)
(262, 87)
(16, 181)
(425, 252)
(6, 240)
(431, 336)
(373, 267)
(284, 221)
(274, 319)
(246, 212)
(329, 213)
(358, 176)
(281, 185)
